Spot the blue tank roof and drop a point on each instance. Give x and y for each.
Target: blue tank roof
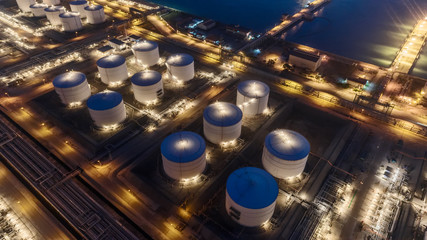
(93, 7)
(180, 59)
(253, 89)
(145, 46)
(69, 14)
(287, 145)
(111, 61)
(146, 78)
(252, 188)
(222, 114)
(69, 79)
(78, 2)
(54, 9)
(183, 147)
(104, 100)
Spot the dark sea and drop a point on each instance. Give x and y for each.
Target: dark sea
(366, 30)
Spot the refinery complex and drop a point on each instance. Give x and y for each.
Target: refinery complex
(129, 120)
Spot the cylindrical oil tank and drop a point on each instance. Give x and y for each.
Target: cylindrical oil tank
(112, 69)
(222, 122)
(71, 21)
(38, 9)
(95, 14)
(146, 53)
(147, 86)
(52, 14)
(180, 66)
(51, 2)
(285, 153)
(24, 5)
(252, 97)
(251, 195)
(79, 6)
(183, 155)
(71, 87)
(106, 108)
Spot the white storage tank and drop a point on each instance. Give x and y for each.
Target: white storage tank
(38, 9)
(52, 14)
(147, 86)
(24, 5)
(180, 67)
(71, 21)
(183, 155)
(106, 108)
(95, 14)
(51, 2)
(146, 53)
(79, 6)
(222, 122)
(251, 196)
(252, 97)
(112, 69)
(285, 153)
(71, 87)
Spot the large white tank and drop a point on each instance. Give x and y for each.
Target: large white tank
(112, 69)
(52, 14)
(71, 21)
(222, 122)
(285, 153)
(24, 5)
(51, 2)
(146, 53)
(252, 97)
(95, 14)
(251, 196)
(71, 87)
(79, 6)
(147, 86)
(181, 66)
(38, 9)
(183, 155)
(106, 108)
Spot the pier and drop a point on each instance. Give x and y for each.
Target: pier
(410, 51)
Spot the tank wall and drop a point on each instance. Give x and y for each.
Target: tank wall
(24, 5)
(147, 58)
(53, 17)
(38, 12)
(95, 17)
(109, 117)
(80, 9)
(71, 24)
(251, 106)
(182, 73)
(248, 217)
(51, 2)
(116, 74)
(218, 134)
(281, 168)
(180, 171)
(145, 94)
(74, 94)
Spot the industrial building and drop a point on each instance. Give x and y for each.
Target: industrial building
(252, 97)
(71, 21)
(95, 14)
(71, 87)
(79, 6)
(38, 9)
(251, 196)
(304, 59)
(222, 122)
(52, 14)
(147, 86)
(207, 25)
(112, 69)
(106, 108)
(117, 44)
(285, 153)
(181, 67)
(183, 155)
(146, 53)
